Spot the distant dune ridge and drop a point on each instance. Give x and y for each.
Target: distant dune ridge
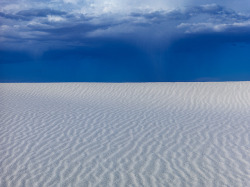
(125, 134)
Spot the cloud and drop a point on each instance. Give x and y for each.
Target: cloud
(27, 15)
(55, 18)
(219, 19)
(39, 12)
(211, 27)
(11, 16)
(144, 36)
(71, 1)
(78, 22)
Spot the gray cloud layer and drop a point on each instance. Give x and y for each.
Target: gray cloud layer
(45, 27)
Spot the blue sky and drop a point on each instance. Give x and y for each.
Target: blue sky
(120, 41)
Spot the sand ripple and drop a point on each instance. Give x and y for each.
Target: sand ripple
(140, 134)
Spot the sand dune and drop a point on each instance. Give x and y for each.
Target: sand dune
(138, 134)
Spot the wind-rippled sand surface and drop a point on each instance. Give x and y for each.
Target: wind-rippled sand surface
(138, 134)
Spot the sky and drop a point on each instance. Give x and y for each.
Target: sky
(124, 41)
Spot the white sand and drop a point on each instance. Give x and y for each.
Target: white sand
(148, 134)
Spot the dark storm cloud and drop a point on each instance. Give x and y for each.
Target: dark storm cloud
(40, 13)
(162, 16)
(214, 11)
(182, 44)
(65, 25)
(27, 15)
(70, 33)
(13, 16)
